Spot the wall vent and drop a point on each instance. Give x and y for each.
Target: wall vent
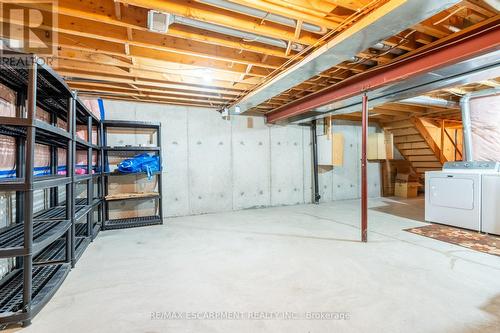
(158, 21)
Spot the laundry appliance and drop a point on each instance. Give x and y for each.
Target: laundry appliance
(490, 202)
(465, 195)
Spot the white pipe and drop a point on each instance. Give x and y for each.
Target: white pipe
(453, 28)
(264, 15)
(467, 128)
(235, 33)
(381, 46)
(430, 101)
(380, 23)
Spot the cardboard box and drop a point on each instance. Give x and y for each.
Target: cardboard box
(406, 185)
(132, 183)
(406, 178)
(133, 208)
(390, 169)
(406, 189)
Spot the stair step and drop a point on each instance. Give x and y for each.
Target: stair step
(423, 170)
(412, 145)
(427, 165)
(424, 158)
(417, 152)
(404, 131)
(408, 138)
(398, 124)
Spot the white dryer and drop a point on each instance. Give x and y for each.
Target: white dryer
(453, 196)
(490, 212)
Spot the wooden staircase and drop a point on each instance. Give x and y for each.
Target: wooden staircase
(416, 144)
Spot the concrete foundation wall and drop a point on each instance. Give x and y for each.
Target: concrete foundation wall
(344, 182)
(212, 165)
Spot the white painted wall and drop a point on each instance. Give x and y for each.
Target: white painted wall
(213, 165)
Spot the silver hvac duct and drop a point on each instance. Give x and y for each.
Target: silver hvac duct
(466, 121)
(249, 37)
(381, 46)
(430, 101)
(391, 18)
(263, 15)
(493, 3)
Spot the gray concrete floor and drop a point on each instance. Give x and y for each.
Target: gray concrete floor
(297, 259)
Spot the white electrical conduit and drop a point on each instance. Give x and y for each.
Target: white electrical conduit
(250, 37)
(381, 46)
(431, 101)
(264, 15)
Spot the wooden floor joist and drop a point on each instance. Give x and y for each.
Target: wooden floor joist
(109, 42)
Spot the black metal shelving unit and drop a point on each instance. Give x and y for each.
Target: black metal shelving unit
(25, 290)
(46, 244)
(110, 224)
(85, 232)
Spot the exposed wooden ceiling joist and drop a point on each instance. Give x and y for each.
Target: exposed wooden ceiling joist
(96, 86)
(135, 18)
(320, 20)
(105, 46)
(221, 17)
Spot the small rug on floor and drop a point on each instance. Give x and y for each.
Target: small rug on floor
(466, 238)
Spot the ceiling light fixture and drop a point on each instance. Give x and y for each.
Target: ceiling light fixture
(205, 74)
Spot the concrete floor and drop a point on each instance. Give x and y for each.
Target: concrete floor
(297, 259)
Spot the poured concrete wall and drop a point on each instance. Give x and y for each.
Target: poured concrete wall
(213, 165)
(344, 182)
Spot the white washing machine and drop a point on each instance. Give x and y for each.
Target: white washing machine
(490, 213)
(453, 196)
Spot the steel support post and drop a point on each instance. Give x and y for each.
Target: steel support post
(364, 171)
(314, 147)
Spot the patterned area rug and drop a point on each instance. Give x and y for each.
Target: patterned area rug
(466, 238)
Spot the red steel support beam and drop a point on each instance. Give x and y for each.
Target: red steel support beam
(472, 42)
(364, 171)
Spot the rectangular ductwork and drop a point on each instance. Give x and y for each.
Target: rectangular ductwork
(384, 22)
(158, 21)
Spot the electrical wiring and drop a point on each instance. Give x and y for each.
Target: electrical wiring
(349, 20)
